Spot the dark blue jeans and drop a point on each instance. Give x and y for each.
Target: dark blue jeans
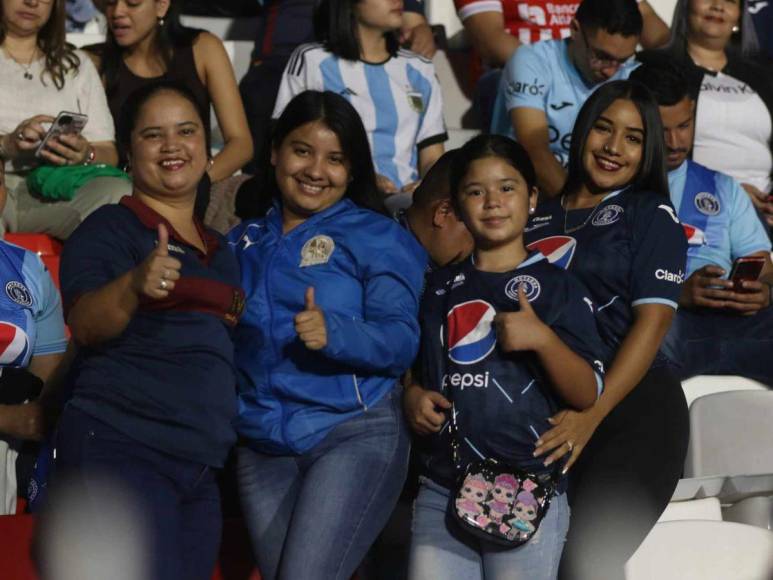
(179, 499)
(707, 342)
(314, 516)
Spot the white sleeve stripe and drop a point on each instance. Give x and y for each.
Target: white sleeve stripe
(480, 7)
(664, 301)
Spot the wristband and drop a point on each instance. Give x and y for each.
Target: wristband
(90, 157)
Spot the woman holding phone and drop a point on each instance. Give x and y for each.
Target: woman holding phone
(43, 76)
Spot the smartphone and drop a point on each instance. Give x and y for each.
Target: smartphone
(66, 123)
(746, 270)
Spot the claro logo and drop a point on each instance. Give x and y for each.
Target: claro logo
(465, 380)
(662, 274)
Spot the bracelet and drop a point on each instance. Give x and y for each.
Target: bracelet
(91, 156)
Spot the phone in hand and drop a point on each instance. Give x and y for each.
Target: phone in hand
(66, 123)
(746, 269)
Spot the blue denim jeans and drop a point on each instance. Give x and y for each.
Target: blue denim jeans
(707, 342)
(440, 550)
(314, 516)
(179, 499)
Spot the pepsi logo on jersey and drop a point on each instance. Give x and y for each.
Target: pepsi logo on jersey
(14, 345)
(471, 334)
(559, 250)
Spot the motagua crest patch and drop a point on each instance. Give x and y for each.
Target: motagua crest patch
(707, 203)
(18, 292)
(608, 215)
(531, 287)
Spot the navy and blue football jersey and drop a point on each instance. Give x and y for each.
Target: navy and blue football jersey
(501, 400)
(631, 250)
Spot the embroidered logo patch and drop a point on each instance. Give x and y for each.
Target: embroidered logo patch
(531, 287)
(18, 292)
(707, 203)
(608, 215)
(416, 102)
(317, 251)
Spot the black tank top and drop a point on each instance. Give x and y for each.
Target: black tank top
(182, 70)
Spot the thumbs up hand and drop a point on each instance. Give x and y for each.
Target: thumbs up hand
(310, 324)
(522, 330)
(156, 276)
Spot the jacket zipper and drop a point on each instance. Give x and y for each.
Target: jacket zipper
(357, 391)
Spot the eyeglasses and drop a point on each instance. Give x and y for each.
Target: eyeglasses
(601, 58)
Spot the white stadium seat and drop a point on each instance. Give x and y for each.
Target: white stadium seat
(709, 384)
(703, 550)
(731, 434)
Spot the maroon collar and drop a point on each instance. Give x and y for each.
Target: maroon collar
(150, 218)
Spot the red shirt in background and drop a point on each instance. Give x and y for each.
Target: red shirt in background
(527, 20)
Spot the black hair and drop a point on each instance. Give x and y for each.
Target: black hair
(612, 16)
(744, 41)
(341, 118)
(487, 145)
(668, 79)
(436, 184)
(137, 99)
(651, 176)
(170, 36)
(335, 25)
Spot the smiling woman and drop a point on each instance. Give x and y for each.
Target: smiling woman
(617, 227)
(151, 298)
(332, 293)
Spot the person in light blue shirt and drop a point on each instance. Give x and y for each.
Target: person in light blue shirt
(720, 328)
(544, 85)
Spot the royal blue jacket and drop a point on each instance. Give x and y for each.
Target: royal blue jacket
(367, 273)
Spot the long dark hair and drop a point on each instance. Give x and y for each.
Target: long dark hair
(744, 41)
(60, 57)
(170, 35)
(651, 176)
(341, 118)
(486, 145)
(335, 25)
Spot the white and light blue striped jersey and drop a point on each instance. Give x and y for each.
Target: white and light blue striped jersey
(399, 101)
(718, 218)
(541, 76)
(31, 321)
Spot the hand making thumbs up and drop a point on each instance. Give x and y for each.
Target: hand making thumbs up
(156, 276)
(522, 330)
(310, 324)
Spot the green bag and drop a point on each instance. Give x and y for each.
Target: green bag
(60, 182)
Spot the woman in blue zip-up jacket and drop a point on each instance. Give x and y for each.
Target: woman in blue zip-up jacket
(330, 324)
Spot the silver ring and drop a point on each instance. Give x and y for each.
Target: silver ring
(164, 284)
(570, 445)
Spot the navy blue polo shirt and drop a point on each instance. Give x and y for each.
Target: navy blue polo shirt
(502, 400)
(168, 380)
(628, 250)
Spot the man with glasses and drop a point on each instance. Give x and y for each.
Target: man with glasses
(544, 85)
